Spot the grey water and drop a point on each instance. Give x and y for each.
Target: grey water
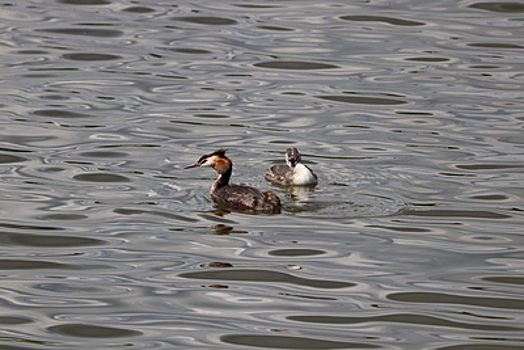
(410, 112)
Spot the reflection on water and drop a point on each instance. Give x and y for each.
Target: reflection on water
(410, 113)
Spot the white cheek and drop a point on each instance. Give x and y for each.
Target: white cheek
(208, 163)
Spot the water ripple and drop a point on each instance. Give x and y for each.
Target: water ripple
(388, 20)
(85, 31)
(291, 342)
(401, 318)
(503, 7)
(92, 331)
(19, 239)
(442, 298)
(409, 113)
(264, 276)
(294, 65)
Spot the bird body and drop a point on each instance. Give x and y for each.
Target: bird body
(236, 197)
(293, 173)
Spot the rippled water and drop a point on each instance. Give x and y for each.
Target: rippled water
(410, 112)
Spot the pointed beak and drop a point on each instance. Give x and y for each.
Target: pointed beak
(192, 166)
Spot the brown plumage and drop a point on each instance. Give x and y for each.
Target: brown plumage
(235, 197)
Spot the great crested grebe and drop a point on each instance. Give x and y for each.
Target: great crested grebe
(292, 173)
(239, 197)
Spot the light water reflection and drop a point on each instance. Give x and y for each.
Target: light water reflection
(410, 113)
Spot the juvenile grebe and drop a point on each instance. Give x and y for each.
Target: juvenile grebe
(292, 173)
(239, 197)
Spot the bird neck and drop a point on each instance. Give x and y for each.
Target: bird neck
(224, 174)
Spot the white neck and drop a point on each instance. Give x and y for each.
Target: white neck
(302, 175)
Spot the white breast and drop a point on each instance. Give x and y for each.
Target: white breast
(302, 175)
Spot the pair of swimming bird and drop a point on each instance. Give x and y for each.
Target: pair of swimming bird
(247, 198)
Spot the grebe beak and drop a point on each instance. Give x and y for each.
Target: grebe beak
(192, 166)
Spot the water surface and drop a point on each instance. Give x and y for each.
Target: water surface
(409, 112)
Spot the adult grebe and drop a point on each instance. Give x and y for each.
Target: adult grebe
(292, 173)
(236, 197)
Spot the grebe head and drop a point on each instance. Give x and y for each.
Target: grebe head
(293, 157)
(216, 160)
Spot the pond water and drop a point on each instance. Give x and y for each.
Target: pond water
(411, 113)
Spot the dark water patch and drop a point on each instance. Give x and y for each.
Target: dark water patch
(254, 6)
(295, 65)
(363, 100)
(13, 264)
(401, 229)
(64, 217)
(415, 113)
(104, 33)
(15, 150)
(167, 76)
(515, 139)
(427, 59)
(452, 174)
(296, 252)
(477, 214)
(104, 154)
(138, 9)
(11, 320)
(191, 51)
(32, 52)
(243, 75)
(28, 240)
(388, 20)
(214, 21)
(90, 331)
(9, 158)
(88, 56)
(59, 113)
(441, 298)
(124, 211)
(401, 318)
(483, 346)
(290, 342)
(504, 7)
(496, 45)
(101, 177)
(505, 279)
(77, 162)
(30, 347)
(280, 142)
(490, 197)
(50, 69)
(264, 276)
(54, 97)
(30, 227)
(275, 28)
(125, 145)
(85, 2)
(357, 126)
(487, 66)
(489, 166)
(309, 297)
(212, 116)
(293, 93)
